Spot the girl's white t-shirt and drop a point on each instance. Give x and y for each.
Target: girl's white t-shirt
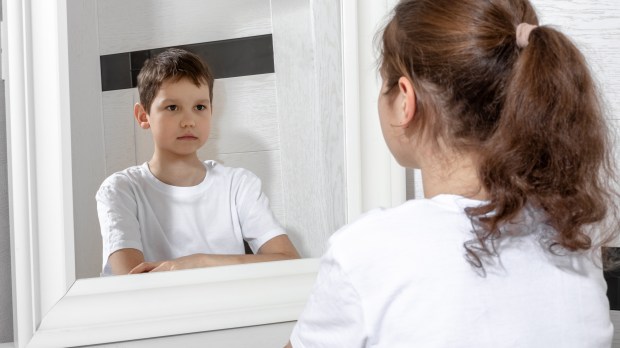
(136, 210)
(399, 278)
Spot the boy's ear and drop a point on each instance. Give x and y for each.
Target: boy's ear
(408, 100)
(141, 116)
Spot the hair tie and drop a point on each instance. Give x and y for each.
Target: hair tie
(523, 34)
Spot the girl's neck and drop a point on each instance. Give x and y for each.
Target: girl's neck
(178, 171)
(455, 174)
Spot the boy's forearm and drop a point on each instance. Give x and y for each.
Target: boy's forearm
(276, 249)
(208, 260)
(224, 260)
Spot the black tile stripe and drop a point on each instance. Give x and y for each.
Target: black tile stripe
(227, 58)
(612, 277)
(115, 71)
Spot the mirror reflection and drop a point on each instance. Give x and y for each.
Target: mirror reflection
(176, 211)
(226, 140)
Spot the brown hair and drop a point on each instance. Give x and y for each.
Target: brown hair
(172, 64)
(532, 115)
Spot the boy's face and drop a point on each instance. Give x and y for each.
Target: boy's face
(180, 117)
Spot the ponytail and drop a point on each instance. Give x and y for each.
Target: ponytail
(551, 149)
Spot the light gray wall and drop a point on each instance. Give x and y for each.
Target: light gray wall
(6, 308)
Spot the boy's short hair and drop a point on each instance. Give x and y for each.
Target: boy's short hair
(172, 64)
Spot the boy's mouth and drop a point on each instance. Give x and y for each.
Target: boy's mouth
(188, 137)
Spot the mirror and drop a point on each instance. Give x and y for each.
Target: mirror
(269, 115)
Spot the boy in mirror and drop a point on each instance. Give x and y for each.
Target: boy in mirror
(176, 211)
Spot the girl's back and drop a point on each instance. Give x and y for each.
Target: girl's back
(402, 280)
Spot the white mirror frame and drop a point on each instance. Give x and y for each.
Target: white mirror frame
(51, 308)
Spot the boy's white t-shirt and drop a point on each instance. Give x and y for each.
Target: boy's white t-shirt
(399, 278)
(136, 210)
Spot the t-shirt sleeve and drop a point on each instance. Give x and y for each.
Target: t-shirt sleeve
(118, 221)
(258, 224)
(333, 316)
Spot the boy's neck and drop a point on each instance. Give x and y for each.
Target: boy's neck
(178, 171)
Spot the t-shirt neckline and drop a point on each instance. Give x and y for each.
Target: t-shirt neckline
(178, 190)
(456, 200)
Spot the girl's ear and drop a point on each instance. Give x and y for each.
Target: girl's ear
(141, 116)
(408, 101)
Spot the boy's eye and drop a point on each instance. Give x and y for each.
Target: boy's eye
(171, 107)
(201, 107)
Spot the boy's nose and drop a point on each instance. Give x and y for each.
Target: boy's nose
(187, 121)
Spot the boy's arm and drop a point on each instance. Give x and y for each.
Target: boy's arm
(124, 260)
(120, 229)
(276, 249)
(280, 247)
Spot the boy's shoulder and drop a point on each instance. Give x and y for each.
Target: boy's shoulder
(131, 174)
(126, 180)
(121, 183)
(219, 170)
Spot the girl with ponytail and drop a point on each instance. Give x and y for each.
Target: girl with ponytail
(502, 117)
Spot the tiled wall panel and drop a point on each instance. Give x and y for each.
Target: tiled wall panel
(309, 88)
(135, 25)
